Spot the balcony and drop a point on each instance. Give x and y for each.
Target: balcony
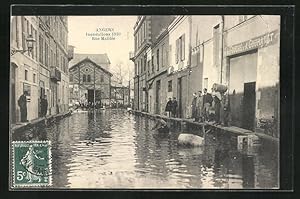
(55, 74)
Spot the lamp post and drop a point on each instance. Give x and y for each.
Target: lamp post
(29, 40)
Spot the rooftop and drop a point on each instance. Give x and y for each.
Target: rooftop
(100, 59)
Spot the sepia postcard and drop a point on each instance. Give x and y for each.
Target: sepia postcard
(144, 102)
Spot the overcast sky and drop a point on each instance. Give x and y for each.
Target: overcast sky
(117, 50)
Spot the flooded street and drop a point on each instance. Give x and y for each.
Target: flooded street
(114, 149)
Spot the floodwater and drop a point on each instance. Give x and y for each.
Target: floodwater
(114, 149)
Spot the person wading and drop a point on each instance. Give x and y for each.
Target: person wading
(161, 126)
(22, 102)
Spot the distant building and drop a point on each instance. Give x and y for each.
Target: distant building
(86, 76)
(120, 97)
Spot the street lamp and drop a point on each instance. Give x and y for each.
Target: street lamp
(29, 40)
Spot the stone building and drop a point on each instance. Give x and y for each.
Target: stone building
(88, 73)
(146, 30)
(53, 61)
(41, 71)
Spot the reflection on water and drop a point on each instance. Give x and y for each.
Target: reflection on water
(112, 149)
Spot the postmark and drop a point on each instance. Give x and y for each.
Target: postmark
(32, 163)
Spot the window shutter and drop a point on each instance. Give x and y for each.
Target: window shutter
(183, 47)
(176, 52)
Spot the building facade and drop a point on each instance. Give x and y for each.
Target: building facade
(240, 52)
(53, 61)
(88, 77)
(41, 71)
(146, 31)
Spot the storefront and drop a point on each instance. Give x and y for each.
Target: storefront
(253, 77)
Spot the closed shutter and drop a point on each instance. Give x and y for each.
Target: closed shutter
(182, 47)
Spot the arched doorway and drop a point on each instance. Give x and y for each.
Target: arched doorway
(13, 110)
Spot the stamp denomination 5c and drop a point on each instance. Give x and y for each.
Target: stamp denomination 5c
(32, 163)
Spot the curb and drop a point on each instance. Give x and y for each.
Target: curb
(31, 124)
(232, 129)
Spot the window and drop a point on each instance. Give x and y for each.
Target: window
(71, 78)
(41, 42)
(34, 78)
(89, 78)
(142, 68)
(157, 59)
(170, 86)
(145, 63)
(135, 69)
(102, 78)
(180, 49)
(152, 63)
(148, 67)
(46, 54)
(162, 55)
(84, 78)
(24, 28)
(26, 75)
(14, 28)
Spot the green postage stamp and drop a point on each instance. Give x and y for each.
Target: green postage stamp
(32, 163)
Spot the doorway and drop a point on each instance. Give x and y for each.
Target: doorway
(249, 100)
(157, 100)
(179, 100)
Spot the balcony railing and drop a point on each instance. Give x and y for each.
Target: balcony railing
(55, 74)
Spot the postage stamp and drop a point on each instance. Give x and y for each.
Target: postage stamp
(32, 163)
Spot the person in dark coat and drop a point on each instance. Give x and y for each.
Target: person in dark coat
(44, 104)
(174, 107)
(168, 108)
(22, 102)
(207, 103)
(217, 100)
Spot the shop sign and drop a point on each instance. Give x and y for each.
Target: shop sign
(257, 42)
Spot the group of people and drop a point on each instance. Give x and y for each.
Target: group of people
(88, 105)
(172, 107)
(213, 106)
(22, 102)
